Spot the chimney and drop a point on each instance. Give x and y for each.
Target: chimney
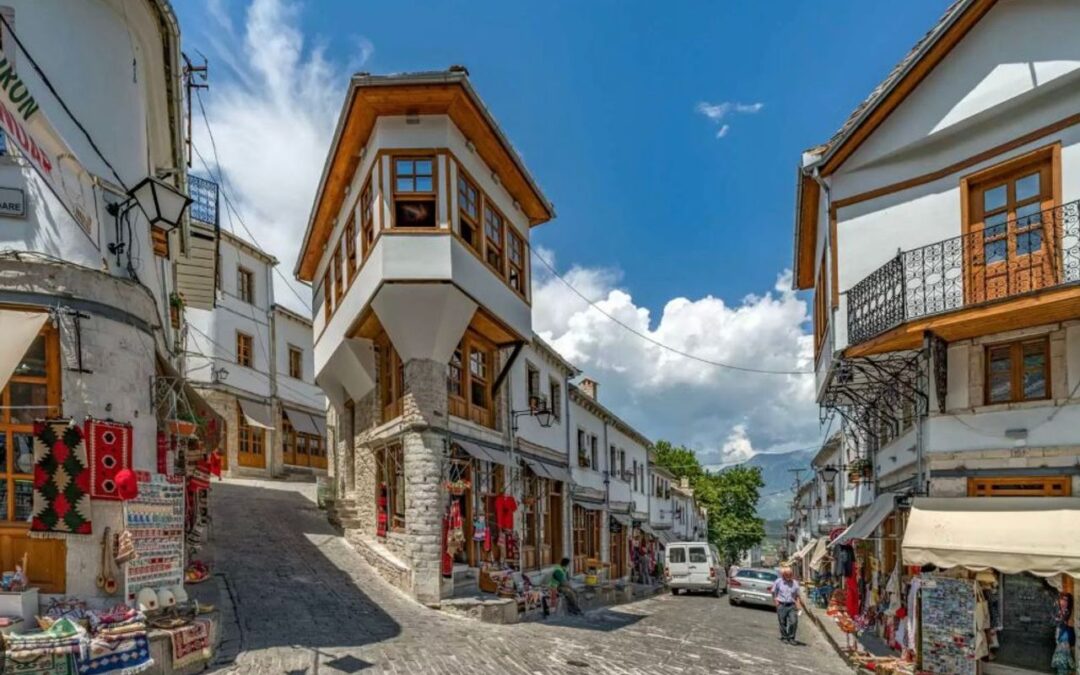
(684, 482)
(589, 387)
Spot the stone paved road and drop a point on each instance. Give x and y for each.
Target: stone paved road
(305, 603)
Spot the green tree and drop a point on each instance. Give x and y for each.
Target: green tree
(730, 497)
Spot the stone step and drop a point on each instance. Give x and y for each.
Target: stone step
(351, 523)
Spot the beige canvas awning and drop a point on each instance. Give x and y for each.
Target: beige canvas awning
(1040, 535)
(19, 330)
(549, 471)
(256, 414)
(302, 422)
(483, 452)
(805, 550)
(821, 549)
(865, 525)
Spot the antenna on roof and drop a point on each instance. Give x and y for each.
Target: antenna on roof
(458, 68)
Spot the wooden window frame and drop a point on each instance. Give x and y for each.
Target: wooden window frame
(296, 362)
(245, 348)
(532, 384)
(499, 247)
(1016, 364)
(251, 440)
(350, 248)
(367, 219)
(1047, 162)
(462, 405)
(594, 452)
(339, 276)
(390, 471)
(415, 195)
(1020, 486)
(49, 574)
(514, 241)
(245, 284)
(475, 222)
(328, 300)
(391, 379)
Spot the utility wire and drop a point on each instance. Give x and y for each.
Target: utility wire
(719, 364)
(228, 202)
(49, 85)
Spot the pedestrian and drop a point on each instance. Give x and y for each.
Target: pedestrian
(786, 594)
(560, 581)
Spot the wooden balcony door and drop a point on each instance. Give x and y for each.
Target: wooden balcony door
(1011, 229)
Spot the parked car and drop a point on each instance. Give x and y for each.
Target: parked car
(694, 566)
(751, 585)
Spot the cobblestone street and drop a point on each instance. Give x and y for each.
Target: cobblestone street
(304, 602)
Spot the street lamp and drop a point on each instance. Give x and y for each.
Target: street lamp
(828, 473)
(162, 204)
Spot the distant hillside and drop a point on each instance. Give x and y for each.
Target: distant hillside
(775, 471)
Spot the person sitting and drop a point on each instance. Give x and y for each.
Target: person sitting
(560, 582)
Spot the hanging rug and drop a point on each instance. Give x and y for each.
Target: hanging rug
(61, 481)
(109, 452)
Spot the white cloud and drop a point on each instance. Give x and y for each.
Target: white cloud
(273, 113)
(717, 113)
(727, 416)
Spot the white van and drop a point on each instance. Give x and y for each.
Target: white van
(694, 566)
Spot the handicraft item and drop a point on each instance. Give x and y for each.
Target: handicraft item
(109, 453)
(61, 481)
(155, 522)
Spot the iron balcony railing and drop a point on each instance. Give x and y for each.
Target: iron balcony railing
(204, 200)
(1000, 260)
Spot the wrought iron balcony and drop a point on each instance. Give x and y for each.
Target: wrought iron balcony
(1002, 260)
(204, 200)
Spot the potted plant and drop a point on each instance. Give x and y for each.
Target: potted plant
(457, 487)
(185, 425)
(860, 469)
(176, 309)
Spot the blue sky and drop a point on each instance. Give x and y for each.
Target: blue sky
(656, 201)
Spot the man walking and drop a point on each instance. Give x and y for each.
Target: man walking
(786, 595)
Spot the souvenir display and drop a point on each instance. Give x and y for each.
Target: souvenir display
(155, 520)
(61, 500)
(108, 452)
(192, 643)
(118, 643)
(948, 626)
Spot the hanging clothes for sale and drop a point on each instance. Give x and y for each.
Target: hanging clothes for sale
(480, 528)
(851, 599)
(844, 556)
(455, 537)
(505, 506)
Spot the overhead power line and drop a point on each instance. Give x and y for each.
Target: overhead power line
(648, 338)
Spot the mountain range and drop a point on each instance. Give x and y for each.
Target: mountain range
(776, 471)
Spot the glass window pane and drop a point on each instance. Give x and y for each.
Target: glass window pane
(423, 167)
(28, 401)
(404, 185)
(33, 362)
(423, 184)
(994, 226)
(1029, 215)
(23, 445)
(995, 251)
(1000, 375)
(3, 452)
(24, 500)
(1034, 381)
(1027, 187)
(994, 198)
(1028, 242)
(404, 167)
(3, 500)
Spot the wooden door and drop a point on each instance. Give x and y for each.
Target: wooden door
(288, 441)
(251, 450)
(1011, 232)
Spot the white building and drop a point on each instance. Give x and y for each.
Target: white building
(940, 231)
(92, 290)
(252, 360)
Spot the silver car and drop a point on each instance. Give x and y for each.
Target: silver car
(752, 586)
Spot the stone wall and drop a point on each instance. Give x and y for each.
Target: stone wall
(225, 405)
(1012, 459)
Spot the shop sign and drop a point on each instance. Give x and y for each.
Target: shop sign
(12, 202)
(37, 140)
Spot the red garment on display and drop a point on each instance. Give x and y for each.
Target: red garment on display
(505, 506)
(447, 561)
(851, 602)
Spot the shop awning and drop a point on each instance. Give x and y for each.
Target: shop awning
(620, 507)
(320, 424)
(864, 525)
(591, 506)
(302, 422)
(482, 452)
(622, 518)
(821, 550)
(19, 330)
(647, 529)
(805, 550)
(549, 471)
(256, 414)
(1040, 535)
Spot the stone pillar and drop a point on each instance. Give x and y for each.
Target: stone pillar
(424, 444)
(363, 487)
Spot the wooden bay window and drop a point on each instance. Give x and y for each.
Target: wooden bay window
(391, 378)
(350, 247)
(469, 211)
(367, 220)
(493, 238)
(515, 262)
(1018, 371)
(469, 378)
(414, 192)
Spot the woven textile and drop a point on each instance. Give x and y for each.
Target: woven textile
(192, 643)
(108, 451)
(118, 657)
(46, 664)
(61, 480)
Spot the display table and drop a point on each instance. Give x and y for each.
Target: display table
(22, 604)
